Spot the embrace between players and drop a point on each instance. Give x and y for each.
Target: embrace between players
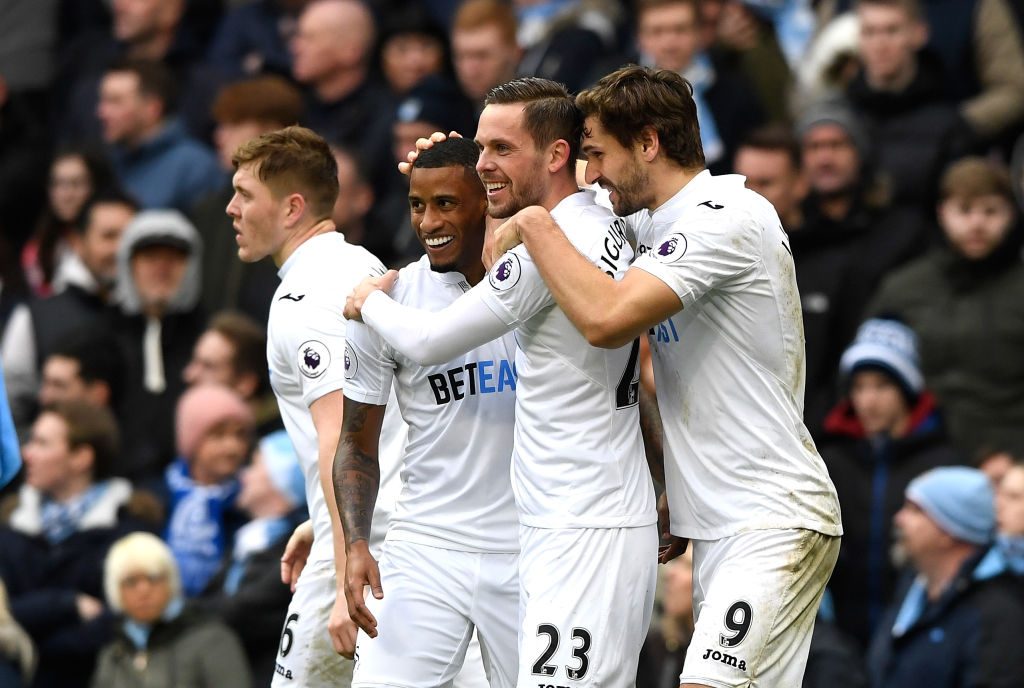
(527, 511)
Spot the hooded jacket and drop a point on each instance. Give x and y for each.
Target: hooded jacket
(871, 475)
(157, 349)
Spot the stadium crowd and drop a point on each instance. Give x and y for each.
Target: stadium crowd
(144, 535)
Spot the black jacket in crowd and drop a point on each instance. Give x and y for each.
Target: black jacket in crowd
(871, 475)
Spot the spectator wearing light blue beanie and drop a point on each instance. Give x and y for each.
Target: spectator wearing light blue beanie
(960, 617)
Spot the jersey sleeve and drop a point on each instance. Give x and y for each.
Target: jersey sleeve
(514, 289)
(369, 368)
(705, 255)
(315, 339)
(433, 337)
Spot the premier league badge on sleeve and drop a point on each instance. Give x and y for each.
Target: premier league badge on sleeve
(351, 363)
(314, 358)
(671, 248)
(505, 273)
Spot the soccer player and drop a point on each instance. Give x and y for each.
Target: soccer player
(584, 493)
(715, 290)
(450, 558)
(285, 185)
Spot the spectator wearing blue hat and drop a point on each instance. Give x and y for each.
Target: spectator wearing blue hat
(884, 432)
(247, 594)
(959, 619)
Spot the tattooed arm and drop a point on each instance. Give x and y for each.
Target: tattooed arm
(356, 480)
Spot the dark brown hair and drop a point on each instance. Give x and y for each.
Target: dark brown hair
(94, 427)
(549, 113)
(249, 341)
(776, 138)
(971, 178)
(293, 160)
(268, 99)
(632, 98)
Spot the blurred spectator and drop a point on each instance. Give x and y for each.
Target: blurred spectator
(900, 96)
(963, 300)
(849, 239)
(158, 324)
(959, 617)
(243, 111)
(355, 197)
(980, 45)
(85, 295)
(253, 37)
(75, 175)
(56, 531)
(1010, 517)
(247, 593)
(84, 366)
(831, 62)
(141, 30)
(742, 40)
(17, 654)
(160, 641)
(233, 352)
(155, 159)
(668, 37)
(214, 434)
(769, 158)
(412, 47)
(435, 104)
(833, 660)
(484, 48)
(332, 52)
(563, 39)
(994, 463)
(884, 433)
(664, 650)
(28, 41)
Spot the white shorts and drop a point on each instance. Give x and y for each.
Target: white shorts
(587, 595)
(305, 655)
(433, 600)
(755, 598)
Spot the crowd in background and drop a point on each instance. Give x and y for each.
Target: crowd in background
(144, 534)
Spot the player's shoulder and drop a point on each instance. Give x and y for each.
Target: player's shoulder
(411, 279)
(582, 219)
(722, 205)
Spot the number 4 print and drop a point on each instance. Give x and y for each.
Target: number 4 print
(579, 652)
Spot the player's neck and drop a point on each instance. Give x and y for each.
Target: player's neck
(668, 180)
(297, 237)
(562, 186)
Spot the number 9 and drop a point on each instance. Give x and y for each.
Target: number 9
(737, 620)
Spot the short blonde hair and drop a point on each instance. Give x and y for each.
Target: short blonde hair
(134, 553)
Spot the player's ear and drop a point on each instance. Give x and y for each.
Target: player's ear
(294, 209)
(558, 155)
(648, 143)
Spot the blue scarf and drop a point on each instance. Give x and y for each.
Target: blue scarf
(701, 75)
(1012, 549)
(196, 531)
(60, 521)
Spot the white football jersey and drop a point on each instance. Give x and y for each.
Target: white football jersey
(306, 349)
(456, 488)
(730, 367)
(579, 458)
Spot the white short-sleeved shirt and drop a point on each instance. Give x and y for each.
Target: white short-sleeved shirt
(730, 367)
(579, 458)
(456, 488)
(306, 349)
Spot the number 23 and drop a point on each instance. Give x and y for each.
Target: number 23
(542, 668)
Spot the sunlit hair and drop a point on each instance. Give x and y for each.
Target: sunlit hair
(549, 113)
(293, 160)
(632, 98)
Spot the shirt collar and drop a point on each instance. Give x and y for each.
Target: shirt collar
(304, 246)
(703, 183)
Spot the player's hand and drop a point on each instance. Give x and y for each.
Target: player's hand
(296, 553)
(671, 545)
(354, 302)
(361, 571)
(422, 145)
(341, 628)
